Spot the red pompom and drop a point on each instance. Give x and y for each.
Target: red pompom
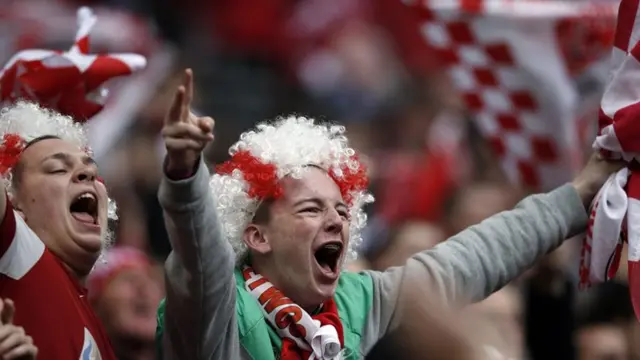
(262, 178)
(264, 183)
(351, 180)
(10, 151)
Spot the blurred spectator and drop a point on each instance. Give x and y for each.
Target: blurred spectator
(125, 290)
(407, 239)
(500, 319)
(477, 201)
(549, 302)
(607, 328)
(603, 341)
(429, 329)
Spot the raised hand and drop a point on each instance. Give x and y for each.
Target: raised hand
(14, 343)
(185, 135)
(589, 181)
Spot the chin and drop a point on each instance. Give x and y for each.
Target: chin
(326, 291)
(89, 243)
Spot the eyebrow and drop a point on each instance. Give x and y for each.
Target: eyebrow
(68, 159)
(318, 202)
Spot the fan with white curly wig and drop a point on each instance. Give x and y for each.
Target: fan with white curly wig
(262, 158)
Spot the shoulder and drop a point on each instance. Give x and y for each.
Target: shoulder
(354, 295)
(23, 248)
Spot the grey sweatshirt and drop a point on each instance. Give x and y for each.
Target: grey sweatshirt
(200, 315)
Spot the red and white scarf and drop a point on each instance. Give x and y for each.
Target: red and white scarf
(304, 337)
(619, 137)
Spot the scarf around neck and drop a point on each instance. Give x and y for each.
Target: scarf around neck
(304, 337)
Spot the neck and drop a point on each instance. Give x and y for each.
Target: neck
(274, 279)
(129, 348)
(77, 261)
(82, 278)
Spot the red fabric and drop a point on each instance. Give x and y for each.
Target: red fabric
(328, 316)
(53, 307)
(246, 25)
(404, 26)
(417, 188)
(7, 227)
(618, 137)
(69, 82)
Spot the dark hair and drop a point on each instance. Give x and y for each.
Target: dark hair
(608, 303)
(263, 212)
(16, 172)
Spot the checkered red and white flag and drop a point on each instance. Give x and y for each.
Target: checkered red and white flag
(71, 82)
(512, 64)
(615, 213)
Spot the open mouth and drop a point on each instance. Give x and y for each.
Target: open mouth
(141, 309)
(85, 208)
(328, 256)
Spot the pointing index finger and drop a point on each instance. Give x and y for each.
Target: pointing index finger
(188, 95)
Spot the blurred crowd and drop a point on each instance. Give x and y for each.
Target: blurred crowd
(359, 63)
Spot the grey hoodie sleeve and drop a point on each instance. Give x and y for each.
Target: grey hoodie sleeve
(480, 260)
(200, 320)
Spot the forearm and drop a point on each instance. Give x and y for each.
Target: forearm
(200, 300)
(473, 264)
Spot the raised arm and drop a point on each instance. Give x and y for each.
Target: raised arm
(480, 260)
(199, 310)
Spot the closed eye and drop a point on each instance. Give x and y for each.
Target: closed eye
(58, 171)
(311, 210)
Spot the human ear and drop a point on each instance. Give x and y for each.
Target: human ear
(255, 239)
(13, 199)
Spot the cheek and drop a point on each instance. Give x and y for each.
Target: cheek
(294, 237)
(44, 197)
(345, 229)
(305, 230)
(119, 295)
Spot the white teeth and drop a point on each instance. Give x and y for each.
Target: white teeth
(87, 196)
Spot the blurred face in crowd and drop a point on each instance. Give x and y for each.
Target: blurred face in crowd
(411, 238)
(298, 241)
(477, 202)
(56, 190)
(500, 322)
(602, 342)
(127, 305)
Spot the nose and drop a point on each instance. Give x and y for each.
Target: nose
(334, 222)
(86, 174)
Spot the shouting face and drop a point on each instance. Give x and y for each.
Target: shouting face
(57, 191)
(128, 304)
(300, 244)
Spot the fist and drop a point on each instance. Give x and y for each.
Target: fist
(594, 175)
(185, 135)
(14, 343)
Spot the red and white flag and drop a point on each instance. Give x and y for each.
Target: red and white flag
(516, 66)
(615, 213)
(71, 82)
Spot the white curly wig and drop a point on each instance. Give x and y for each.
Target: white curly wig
(28, 121)
(272, 151)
